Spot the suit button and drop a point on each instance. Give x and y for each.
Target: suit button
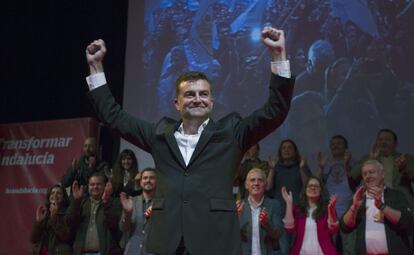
(186, 173)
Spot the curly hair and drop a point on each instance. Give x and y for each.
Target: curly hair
(65, 201)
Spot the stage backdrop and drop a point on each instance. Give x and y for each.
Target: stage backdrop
(353, 62)
(33, 157)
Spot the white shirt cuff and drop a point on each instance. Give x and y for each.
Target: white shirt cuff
(281, 68)
(96, 80)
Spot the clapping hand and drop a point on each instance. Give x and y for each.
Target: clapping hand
(77, 190)
(239, 207)
(53, 209)
(126, 202)
(401, 162)
(41, 212)
(303, 163)
(263, 217)
(107, 192)
(148, 212)
(321, 161)
(288, 197)
(376, 193)
(271, 162)
(331, 206)
(358, 197)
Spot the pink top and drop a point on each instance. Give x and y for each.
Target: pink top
(324, 233)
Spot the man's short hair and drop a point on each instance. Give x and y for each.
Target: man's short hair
(387, 130)
(190, 76)
(90, 138)
(373, 162)
(256, 170)
(98, 174)
(342, 138)
(149, 169)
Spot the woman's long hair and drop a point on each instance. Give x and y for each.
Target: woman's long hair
(119, 171)
(279, 151)
(65, 201)
(321, 204)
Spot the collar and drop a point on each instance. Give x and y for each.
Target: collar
(93, 201)
(252, 203)
(200, 128)
(146, 200)
(146, 197)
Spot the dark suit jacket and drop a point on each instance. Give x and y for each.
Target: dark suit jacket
(397, 235)
(107, 217)
(274, 212)
(59, 235)
(196, 201)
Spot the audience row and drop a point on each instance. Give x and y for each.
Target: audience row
(343, 207)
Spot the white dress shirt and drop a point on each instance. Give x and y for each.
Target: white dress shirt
(187, 143)
(256, 250)
(310, 245)
(375, 238)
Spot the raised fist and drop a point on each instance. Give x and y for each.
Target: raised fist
(274, 39)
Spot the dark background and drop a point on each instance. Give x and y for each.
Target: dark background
(43, 65)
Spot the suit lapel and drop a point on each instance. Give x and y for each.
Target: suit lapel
(203, 141)
(262, 232)
(172, 143)
(246, 220)
(139, 208)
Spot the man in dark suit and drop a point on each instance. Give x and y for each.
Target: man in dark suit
(261, 226)
(196, 157)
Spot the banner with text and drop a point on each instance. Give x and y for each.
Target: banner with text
(33, 157)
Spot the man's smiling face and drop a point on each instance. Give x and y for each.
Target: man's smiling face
(194, 100)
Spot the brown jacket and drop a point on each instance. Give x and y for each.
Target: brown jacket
(59, 236)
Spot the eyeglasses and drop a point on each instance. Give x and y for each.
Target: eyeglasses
(310, 186)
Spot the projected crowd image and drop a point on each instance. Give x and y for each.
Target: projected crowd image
(352, 61)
